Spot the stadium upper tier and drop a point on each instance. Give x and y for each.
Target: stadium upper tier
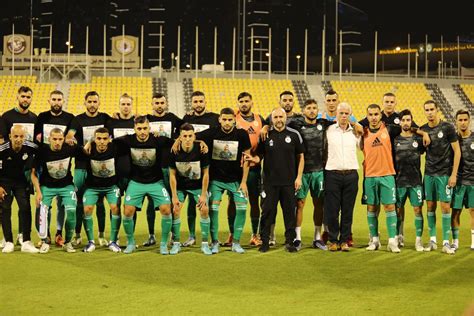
(9, 87)
(359, 94)
(110, 89)
(469, 91)
(223, 92)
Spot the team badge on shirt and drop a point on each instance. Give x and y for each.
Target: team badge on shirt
(415, 144)
(440, 135)
(396, 121)
(319, 127)
(271, 142)
(25, 156)
(472, 146)
(288, 139)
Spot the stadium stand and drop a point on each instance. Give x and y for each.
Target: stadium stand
(110, 89)
(223, 92)
(466, 93)
(438, 96)
(359, 94)
(8, 90)
(301, 89)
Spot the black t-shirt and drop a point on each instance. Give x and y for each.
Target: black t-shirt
(47, 121)
(13, 117)
(55, 165)
(101, 170)
(145, 156)
(189, 167)
(407, 152)
(225, 150)
(280, 150)
(466, 167)
(202, 122)
(85, 127)
(439, 154)
(314, 140)
(14, 164)
(118, 128)
(168, 126)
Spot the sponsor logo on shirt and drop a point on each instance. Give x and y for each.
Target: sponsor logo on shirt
(376, 142)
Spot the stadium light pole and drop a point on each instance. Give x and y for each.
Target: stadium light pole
(287, 52)
(160, 53)
(141, 51)
(340, 55)
(323, 55)
(197, 52)
(375, 58)
(298, 58)
(178, 54)
(233, 53)
(50, 50)
(459, 58)
(408, 67)
(336, 27)
(269, 53)
(416, 63)
(69, 43)
(13, 50)
(251, 53)
(105, 51)
(31, 49)
(442, 57)
(305, 62)
(87, 53)
(123, 50)
(426, 56)
(215, 51)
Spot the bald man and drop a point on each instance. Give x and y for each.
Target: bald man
(282, 152)
(16, 157)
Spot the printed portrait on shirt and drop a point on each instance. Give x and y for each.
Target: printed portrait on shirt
(225, 150)
(189, 169)
(103, 168)
(57, 169)
(161, 128)
(143, 157)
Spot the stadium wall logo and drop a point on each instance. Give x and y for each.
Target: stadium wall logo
(126, 45)
(16, 44)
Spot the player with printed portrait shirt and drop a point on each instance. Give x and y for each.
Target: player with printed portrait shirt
(283, 164)
(146, 178)
(81, 131)
(408, 148)
(16, 157)
(189, 175)
(20, 114)
(441, 167)
(313, 132)
(463, 195)
(201, 120)
(101, 181)
(48, 120)
(227, 173)
(166, 124)
(54, 159)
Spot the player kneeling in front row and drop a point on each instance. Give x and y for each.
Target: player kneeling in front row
(101, 181)
(56, 181)
(189, 175)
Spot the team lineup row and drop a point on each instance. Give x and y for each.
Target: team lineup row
(203, 155)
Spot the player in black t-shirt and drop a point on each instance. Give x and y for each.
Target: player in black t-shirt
(166, 124)
(55, 181)
(283, 164)
(313, 132)
(16, 157)
(146, 178)
(463, 195)
(442, 163)
(82, 129)
(189, 175)
(227, 144)
(48, 120)
(408, 148)
(102, 179)
(201, 120)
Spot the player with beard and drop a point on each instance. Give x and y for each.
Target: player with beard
(441, 168)
(313, 132)
(389, 115)
(82, 130)
(20, 115)
(170, 124)
(54, 118)
(408, 148)
(253, 124)
(201, 120)
(464, 190)
(227, 174)
(146, 178)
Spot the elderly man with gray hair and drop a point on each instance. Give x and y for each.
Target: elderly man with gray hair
(341, 177)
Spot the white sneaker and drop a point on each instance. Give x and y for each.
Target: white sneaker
(44, 248)
(431, 246)
(90, 247)
(8, 248)
(373, 245)
(272, 241)
(393, 247)
(19, 239)
(419, 246)
(69, 248)
(401, 241)
(2, 243)
(103, 242)
(455, 247)
(28, 246)
(76, 241)
(448, 250)
(472, 247)
(188, 243)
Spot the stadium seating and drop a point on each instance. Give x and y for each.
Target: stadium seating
(359, 94)
(110, 89)
(9, 87)
(466, 93)
(222, 93)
